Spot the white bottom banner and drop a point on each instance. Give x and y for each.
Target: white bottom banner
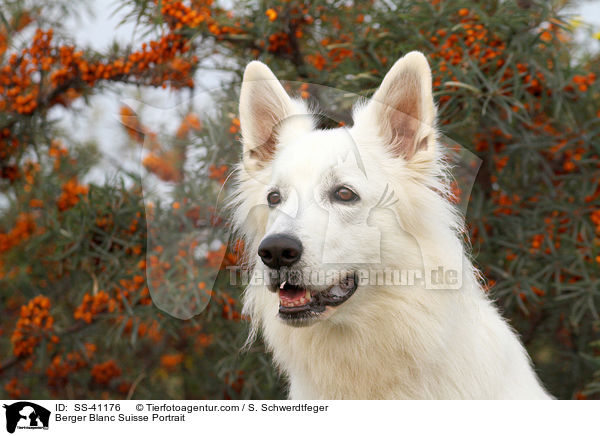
(298, 417)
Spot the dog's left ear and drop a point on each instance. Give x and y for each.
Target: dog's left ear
(403, 106)
(267, 113)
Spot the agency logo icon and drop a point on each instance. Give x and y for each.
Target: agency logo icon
(26, 415)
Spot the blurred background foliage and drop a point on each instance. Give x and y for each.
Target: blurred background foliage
(77, 257)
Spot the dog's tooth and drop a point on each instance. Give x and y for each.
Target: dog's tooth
(308, 296)
(282, 285)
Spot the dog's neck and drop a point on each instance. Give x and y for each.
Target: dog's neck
(408, 330)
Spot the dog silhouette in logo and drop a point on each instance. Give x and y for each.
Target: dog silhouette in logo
(27, 414)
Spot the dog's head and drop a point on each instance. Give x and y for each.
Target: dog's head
(315, 205)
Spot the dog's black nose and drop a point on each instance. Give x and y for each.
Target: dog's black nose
(280, 250)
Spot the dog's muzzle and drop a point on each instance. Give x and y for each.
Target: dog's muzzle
(300, 304)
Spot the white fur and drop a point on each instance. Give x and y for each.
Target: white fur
(385, 342)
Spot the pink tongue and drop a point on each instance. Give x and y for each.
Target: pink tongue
(291, 295)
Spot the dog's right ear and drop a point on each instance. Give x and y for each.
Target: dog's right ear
(403, 107)
(266, 112)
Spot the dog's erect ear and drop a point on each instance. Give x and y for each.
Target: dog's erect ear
(265, 110)
(403, 106)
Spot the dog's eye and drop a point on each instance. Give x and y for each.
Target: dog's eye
(345, 195)
(274, 198)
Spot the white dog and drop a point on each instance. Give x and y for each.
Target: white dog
(347, 200)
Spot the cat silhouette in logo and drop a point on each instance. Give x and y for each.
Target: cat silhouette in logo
(24, 410)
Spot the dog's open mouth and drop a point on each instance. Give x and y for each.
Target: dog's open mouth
(301, 303)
